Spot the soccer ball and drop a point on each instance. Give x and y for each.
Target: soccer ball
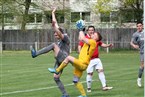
(80, 24)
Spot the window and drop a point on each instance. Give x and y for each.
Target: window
(75, 16)
(109, 17)
(78, 15)
(38, 17)
(48, 16)
(105, 17)
(114, 16)
(0, 18)
(31, 18)
(86, 16)
(129, 15)
(9, 18)
(34, 18)
(59, 16)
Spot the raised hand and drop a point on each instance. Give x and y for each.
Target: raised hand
(53, 9)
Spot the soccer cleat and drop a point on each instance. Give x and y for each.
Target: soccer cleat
(65, 96)
(82, 96)
(139, 82)
(106, 88)
(89, 90)
(52, 70)
(33, 52)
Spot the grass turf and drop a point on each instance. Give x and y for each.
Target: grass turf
(23, 76)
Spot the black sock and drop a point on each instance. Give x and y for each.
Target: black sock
(140, 72)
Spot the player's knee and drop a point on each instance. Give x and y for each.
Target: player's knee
(89, 78)
(142, 64)
(100, 70)
(75, 80)
(68, 59)
(53, 44)
(90, 73)
(56, 79)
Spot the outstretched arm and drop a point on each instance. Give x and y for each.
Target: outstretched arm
(55, 24)
(83, 38)
(106, 45)
(133, 45)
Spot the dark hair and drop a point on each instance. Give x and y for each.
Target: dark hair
(99, 35)
(91, 27)
(139, 22)
(61, 30)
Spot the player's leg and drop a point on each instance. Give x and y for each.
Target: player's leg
(141, 69)
(44, 50)
(62, 65)
(58, 81)
(99, 68)
(89, 76)
(60, 85)
(59, 58)
(75, 62)
(89, 81)
(78, 84)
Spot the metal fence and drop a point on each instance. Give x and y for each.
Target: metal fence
(17, 40)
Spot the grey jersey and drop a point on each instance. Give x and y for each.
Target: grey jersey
(138, 39)
(64, 44)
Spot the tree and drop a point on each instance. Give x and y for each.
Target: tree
(27, 4)
(135, 7)
(14, 8)
(103, 6)
(5, 8)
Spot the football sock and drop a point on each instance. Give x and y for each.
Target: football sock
(140, 72)
(45, 49)
(89, 80)
(62, 65)
(60, 86)
(102, 78)
(80, 87)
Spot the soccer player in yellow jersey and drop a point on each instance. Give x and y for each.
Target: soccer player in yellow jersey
(82, 62)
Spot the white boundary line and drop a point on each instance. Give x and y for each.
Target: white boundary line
(39, 89)
(31, 90)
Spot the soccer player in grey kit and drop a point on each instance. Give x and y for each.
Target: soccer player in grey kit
(137, 42)
(61, 51)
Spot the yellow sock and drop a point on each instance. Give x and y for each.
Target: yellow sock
(80, 87)
(62, 65)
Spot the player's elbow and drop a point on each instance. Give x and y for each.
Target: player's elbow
(131, 43)
(81, 38)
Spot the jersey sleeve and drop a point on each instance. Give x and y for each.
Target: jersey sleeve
(66, 39)
(134, 38)
(81, 43)
(100, 43)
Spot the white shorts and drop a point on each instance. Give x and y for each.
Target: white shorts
(94, 64)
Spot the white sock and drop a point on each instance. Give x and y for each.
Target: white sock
(89, 81)
(139, 79)
(102, 78)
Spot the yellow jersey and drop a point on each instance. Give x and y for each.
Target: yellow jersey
(87, 51)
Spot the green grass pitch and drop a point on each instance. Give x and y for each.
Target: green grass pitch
(23, 76)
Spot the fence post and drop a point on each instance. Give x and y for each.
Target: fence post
(107, 49)
(36, 46)
(1, 47)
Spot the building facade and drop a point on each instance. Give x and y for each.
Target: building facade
(69, 11)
